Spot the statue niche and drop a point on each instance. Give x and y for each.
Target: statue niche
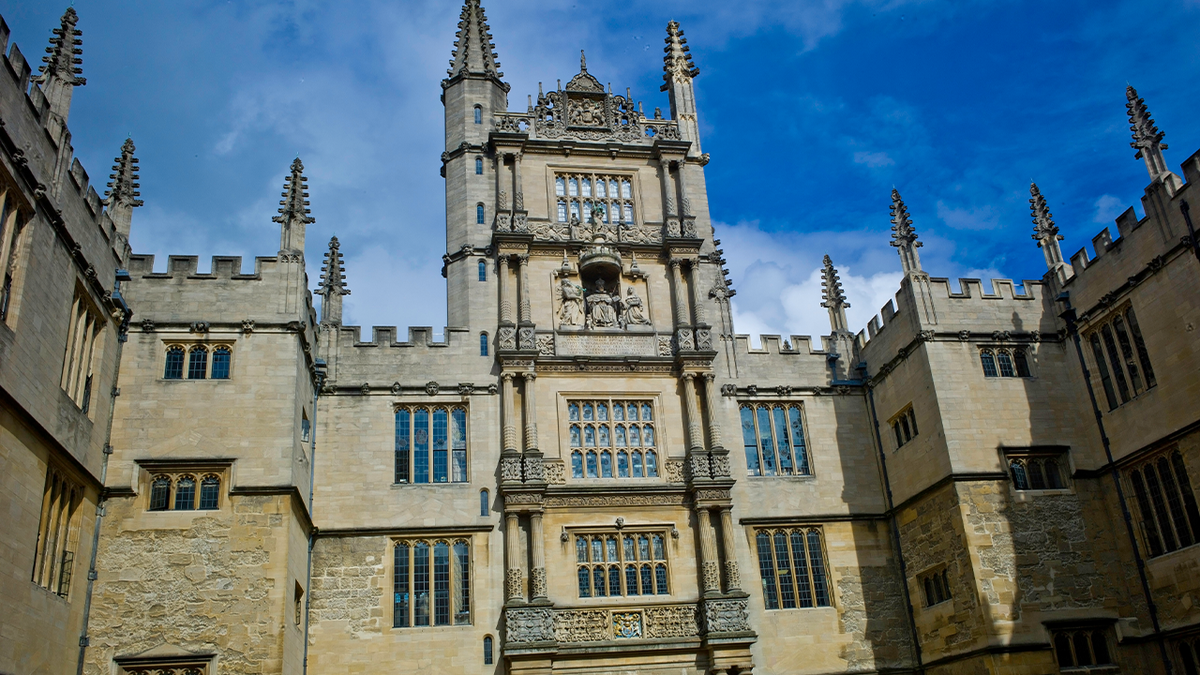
(602, 308)
(597, 301)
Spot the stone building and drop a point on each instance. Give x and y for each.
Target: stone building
(590, 472)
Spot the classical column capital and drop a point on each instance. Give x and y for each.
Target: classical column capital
(507, 377)
(688, 376)
(529, 376)
(675, 262)
(522, 259)
(709, 377)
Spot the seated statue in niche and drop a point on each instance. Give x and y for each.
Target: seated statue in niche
(571, 312)
(634, 312)
(601, 308)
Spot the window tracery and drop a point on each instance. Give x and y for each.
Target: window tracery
(185, 491)
(431, 444)
(1004, 362)
(1170, 519)
(618, 563)
(582, 196)
(612, 438)
(431, 582)
(1122, 361)
(193, 362)
(774, 440)
(792, 564)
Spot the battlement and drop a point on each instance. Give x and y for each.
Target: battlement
(421, 337)
(777, 345)
(186, 266)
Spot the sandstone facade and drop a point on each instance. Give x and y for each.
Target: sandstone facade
(590, 472)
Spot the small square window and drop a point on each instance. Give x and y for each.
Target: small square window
(1038, 469)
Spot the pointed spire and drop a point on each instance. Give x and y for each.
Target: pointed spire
(293, 211)
(832, 296)
(60, 73)
(1044, 229)
(473, 46)
(122, 195)
(1147, 139)
(333, 284)
(677, 64)
(904, 235)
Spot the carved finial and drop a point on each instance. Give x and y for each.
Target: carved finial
(677, 64)
(61, 71)
(122, 195)
(904, 235)
(1147, 139)
(582, 62)
(473, 47)
(293, 210)
(333, 284)
(1044, 229)
(832, 296)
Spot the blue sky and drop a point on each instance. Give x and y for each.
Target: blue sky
(811, 111)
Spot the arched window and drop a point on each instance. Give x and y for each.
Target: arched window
(220, 364)
(478, 115)
(483, 344)
(1022, 363)
(185, 494)
(487, 651)
(485, 502)
(197, 363)
(1006, 364)
(989, 363)
(174, 368)
(482, 270)
(210, 489)
(577, 464)
(479, 213)
(478, 166)
(160, 494)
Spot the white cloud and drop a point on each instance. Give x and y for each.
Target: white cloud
(1107, 208)
(873, 160)
(980, 218)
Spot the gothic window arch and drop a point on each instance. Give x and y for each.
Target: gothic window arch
(774, 440)
(185, 491)
(173, 370)
(220, 362)
(1004, 362)
(1166, 503)
(791, 562)
(485, 502)
(478, 114)
(482, 270)
(483, 344)
(58, 533)
(1122, 361)
(479, 220)
(431, 444)
(988, 358)
(488, 658)
(621, 563)
(431, 580)
(197, 363)
(478, 166)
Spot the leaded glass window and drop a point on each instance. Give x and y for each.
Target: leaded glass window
(612, 438)
(1170, 519)
(791, 562)
(174, 365)
(197, 363)
(621, 563)
(1122, 362)
(431, 444)
(607, 198)
(774, 439)
(220, 363)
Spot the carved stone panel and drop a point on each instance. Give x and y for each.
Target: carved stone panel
(506, 338)
(627, 625)
(510, 469)
(671, 622)
(581, 625)
(673, 468)
(725, 616)
(600, 344)
(556, 473)
(528, 624)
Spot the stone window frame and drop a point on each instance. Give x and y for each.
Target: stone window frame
(489, 650)
(1188, 649)
(16, 217)
(904, 426)
(819, 597)
(59, 526)
(1083, 648)
(1020, 464)
(561, 210)
(404, 460)
(191, 664)
(84, 349)
(172, 473)
(188, 346)
(1120, 362)
(657, 570)
(1164, 502)
(802, 464)
(585, 453)
(404, 603)
(1002, 362)
(934, 584)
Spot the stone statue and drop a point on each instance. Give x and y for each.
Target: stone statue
(601, 308)
(571, 312)
(634, 313)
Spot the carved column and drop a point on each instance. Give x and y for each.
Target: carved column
(668, 190)
(505, 305)
(710, 407)
(523, 315)
(509, 412)
(531, 439)
(537, 579)
(697, 293)
(501, 199)
(695, 435)
(514, 575)
(518, 193)
(685, 205)
(733, 580)
(710, 570)
(681, 308)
